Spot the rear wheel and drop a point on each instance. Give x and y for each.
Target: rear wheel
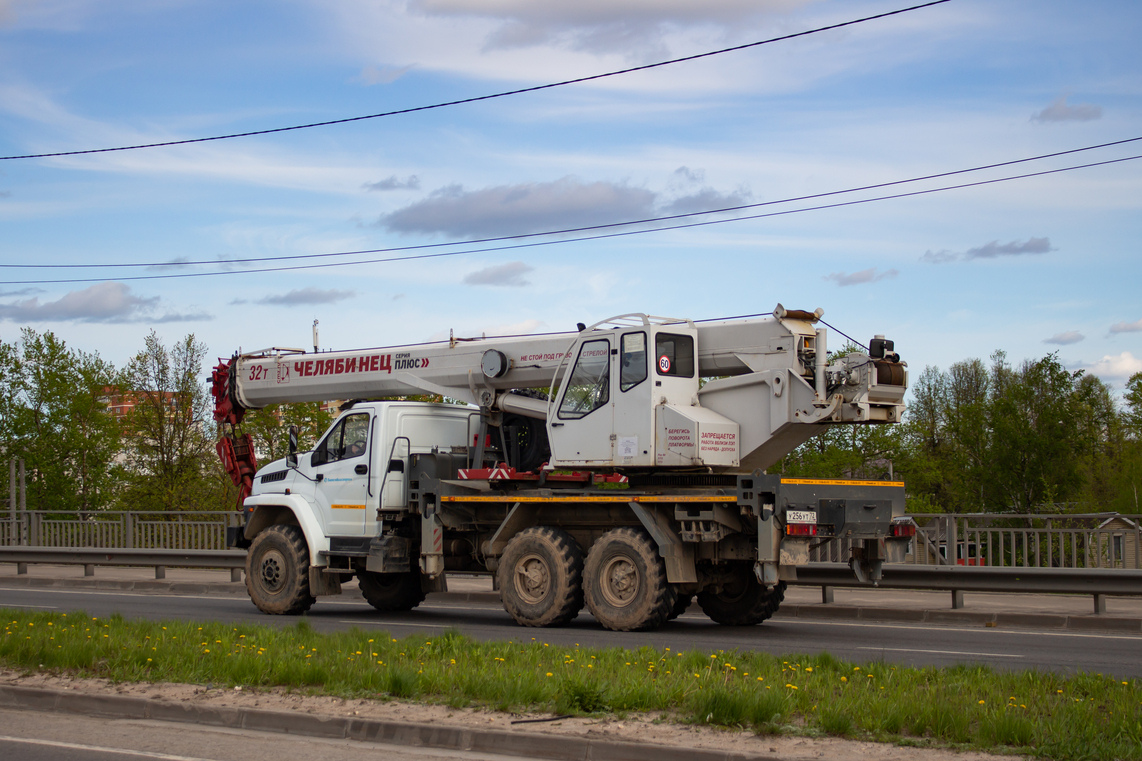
(391, 591)
(742, 600)
(625, 582)
(277, 571)
(541, 577)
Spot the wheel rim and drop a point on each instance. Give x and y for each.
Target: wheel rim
(273, 570)
(532, 578)
(620, 581)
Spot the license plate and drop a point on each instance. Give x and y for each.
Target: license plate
(800, 516)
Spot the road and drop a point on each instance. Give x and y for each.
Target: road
(916, 644)
(35, 736)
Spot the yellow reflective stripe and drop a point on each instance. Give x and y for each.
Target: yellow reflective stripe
(635, 498)
(823, 482)
(348, 507)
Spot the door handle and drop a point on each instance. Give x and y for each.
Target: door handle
(361, 469)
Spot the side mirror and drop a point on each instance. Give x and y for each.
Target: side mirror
(291, 458)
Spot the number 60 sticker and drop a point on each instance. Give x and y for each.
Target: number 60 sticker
(664, 364)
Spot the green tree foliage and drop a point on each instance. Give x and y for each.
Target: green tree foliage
(169, 435)
(54, 415)
(269, 428)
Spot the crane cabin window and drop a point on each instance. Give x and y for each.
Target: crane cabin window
(590, 384)
(675, 355)
(633, 361)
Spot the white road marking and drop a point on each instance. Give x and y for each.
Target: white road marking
(976, 630)
(42, 607)
(99, 749)
(938, 652)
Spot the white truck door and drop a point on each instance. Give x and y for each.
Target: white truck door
(341, 462)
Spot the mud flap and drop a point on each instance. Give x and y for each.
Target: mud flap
(321, 583)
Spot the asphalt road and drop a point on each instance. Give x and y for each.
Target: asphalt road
(914, 644)
(36, 736)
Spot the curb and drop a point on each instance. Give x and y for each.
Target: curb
(524, 744)
(832, 612)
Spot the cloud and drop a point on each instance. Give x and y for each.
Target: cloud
(371, 75)
(21, 292)
(522, 208)
(1127, 327)
(686, 176)
(1120, 366)
(992, 250)
(633, 26)
(304, 296)
(104, 302)
(707, 199)
(180, 317)
(412, 182)
(510, 274)
(1065, 339)
(869, 275)
(1059, 111)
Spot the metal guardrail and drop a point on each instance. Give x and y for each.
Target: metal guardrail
(1097, 582)
(90, 557)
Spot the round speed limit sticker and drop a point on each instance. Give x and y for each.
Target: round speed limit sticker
(664, 364)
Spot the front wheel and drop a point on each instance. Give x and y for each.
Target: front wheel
(741, 600)
(391, 591)
(625, 582)
(277, 571)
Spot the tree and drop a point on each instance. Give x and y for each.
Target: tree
(55, 417)
(171, 463)
(269, 427)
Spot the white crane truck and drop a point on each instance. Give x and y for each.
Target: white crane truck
(626, 484)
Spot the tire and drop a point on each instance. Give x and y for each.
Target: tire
(388, 592)
(680, 606)
(742, 601)
(277, 571)
(531, 435)
(625, 582)
(541, 577)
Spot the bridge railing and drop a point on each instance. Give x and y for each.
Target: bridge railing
(996, 540)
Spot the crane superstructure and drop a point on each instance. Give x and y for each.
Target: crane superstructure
(620, 466)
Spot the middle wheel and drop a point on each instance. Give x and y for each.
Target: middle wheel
(625, 582)
(541, 577)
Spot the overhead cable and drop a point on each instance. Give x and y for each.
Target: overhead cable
(602, 236)
(586, 228)
(475, 99)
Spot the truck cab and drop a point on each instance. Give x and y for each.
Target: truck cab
(339, 491)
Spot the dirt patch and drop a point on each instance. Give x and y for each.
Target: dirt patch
(648, 729)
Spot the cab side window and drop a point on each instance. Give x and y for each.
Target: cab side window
(633, 364)
(345, 441)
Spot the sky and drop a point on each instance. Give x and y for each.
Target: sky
(1032, 266)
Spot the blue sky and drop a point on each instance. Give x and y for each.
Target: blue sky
(1029, 267)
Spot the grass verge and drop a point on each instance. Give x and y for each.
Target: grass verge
(1050, 715)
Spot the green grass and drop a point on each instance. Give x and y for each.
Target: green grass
(1085, 716)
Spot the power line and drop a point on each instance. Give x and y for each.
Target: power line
(601, 236)
(476, 99)
(588, 228)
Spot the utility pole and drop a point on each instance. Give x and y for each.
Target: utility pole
(12, 502)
